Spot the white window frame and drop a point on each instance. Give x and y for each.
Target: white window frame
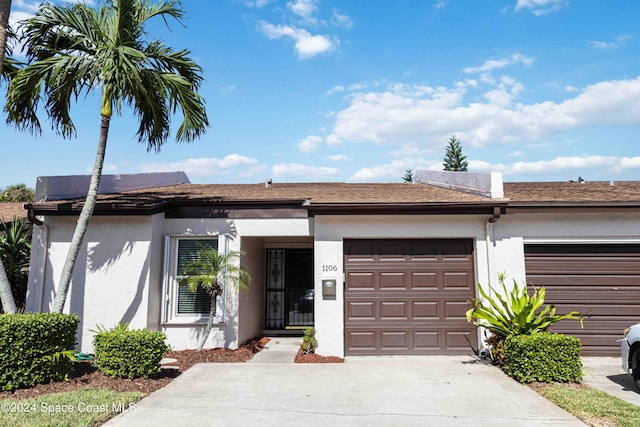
(170, 283)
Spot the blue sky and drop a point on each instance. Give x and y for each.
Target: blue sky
(360, 91)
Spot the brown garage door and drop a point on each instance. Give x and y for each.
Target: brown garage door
(602, 281)
(408, 296)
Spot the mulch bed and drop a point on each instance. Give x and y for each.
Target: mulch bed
(316, 358)
(85, 375)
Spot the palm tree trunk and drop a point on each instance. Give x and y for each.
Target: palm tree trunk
(5, 9)
(83, 220)
(212, 316)
(6, 296)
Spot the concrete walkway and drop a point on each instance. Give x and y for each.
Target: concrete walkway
(376, 391)
(278, 350)
(606, 374)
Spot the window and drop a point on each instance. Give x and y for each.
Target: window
(182, 305)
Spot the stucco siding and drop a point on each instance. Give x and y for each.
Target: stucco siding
(111, 277)
(251, 303)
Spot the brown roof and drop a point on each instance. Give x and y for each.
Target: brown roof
(331, 192)
(572, 192)
(11, 211)
(391, 197)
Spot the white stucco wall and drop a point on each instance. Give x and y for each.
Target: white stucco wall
(110, 283)
(121, 267)
(330, 232)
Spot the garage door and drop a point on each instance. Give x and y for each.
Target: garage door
(602, 281)
(408, 296)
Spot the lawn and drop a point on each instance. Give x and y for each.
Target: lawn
(87, 407)
(592, 406)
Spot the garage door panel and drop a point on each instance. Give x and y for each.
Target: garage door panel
(397, 310)
(601, 280)
(426, 340)
(392, 280)
(457, 279)
(362, 340)
(458, 340)
(421, 280)
(569, 280)
(603, 325)
(394, 340)
(361, 310)
(598, 311)
(456, 310)
(414, 299)
(425, 310)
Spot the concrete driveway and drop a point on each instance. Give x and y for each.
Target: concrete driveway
(606, 374)
(376, 391)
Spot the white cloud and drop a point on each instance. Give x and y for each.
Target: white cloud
(335, 89)
(204, 166)
(440, 4)
(405, 114)
(614, 44)
(306, 44)
(227, 89)
(391, 172)
(257, 3)
(493, 64)
(307, 173)
(341, 20)
(541, 7)
(339, 158)
(87, 2)
(309, 143)
(563, 166)
(333, 139)
(516, 153)
(303, 8)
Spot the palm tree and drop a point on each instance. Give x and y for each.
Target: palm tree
(15, 248)
(5, 9)
(211, 270)
(72, 50)
(6, 297)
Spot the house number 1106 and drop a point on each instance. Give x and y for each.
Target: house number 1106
(329, 267)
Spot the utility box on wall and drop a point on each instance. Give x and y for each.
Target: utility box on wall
(329, 288)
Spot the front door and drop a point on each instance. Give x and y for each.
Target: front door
(290, 295)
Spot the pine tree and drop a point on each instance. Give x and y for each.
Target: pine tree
(408, 175)
(453, 159)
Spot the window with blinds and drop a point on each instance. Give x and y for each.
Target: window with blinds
(198, 302)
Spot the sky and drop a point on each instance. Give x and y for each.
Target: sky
(361, 91)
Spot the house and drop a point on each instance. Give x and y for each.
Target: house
(378, 269)
(10, 212)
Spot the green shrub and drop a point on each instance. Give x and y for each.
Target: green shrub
(33, 346)
(543, 357)
(309, 341)
(124, 353)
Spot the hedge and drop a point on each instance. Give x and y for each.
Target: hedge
(32, 346)
(543, 357)
(124, 353)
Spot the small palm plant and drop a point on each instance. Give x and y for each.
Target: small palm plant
(211, 271)
(515, 312)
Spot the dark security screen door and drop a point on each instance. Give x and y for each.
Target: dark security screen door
(290, 294)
